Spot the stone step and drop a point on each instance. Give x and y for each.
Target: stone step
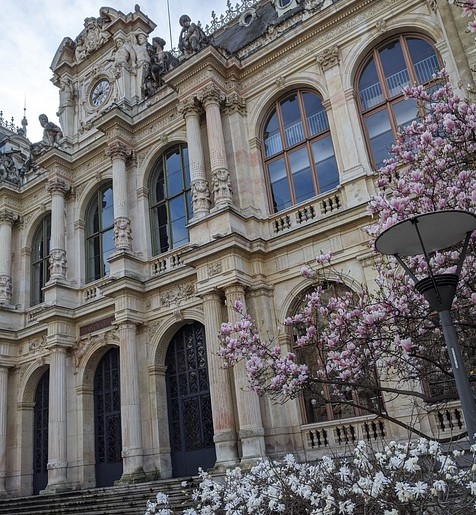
(120, 500)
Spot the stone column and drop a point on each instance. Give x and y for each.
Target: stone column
(220, 388)
(57, 437)
(212, 98)
(199, 184)
(3, 427)
(7, 219)
(119, 152)
(251, 432)
(57, 189)
(132, 451)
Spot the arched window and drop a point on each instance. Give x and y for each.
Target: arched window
(319, 403)
(170, 200)
(40, 266)
(397, 63)
(298, 152)
(99, 233)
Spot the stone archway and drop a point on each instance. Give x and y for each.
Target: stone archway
(189, 402)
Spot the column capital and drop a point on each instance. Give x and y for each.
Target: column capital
(118, 149)
(57, 185)
(235, 288)
(211, 295)
(189, 107)
(235, 103)
(329, 58)
(8, 217)
(211, 94)
(127, 323)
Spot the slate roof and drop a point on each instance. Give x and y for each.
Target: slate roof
(236, 35)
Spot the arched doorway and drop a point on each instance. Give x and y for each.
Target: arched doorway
(188, 401)
(40, 434)
(107, 419)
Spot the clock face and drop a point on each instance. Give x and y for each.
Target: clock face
(100, 92)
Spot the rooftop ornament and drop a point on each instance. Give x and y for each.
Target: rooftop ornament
(423, 235)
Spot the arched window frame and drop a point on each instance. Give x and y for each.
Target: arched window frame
(325, 407)
(99, 234)
(313, 145)
(392, 103)
(40, 264)
(171, 210)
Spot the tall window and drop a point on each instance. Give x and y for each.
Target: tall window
(298, 151)
(40, 266)
(320, 404)
(99, 233)
(397, 63)
(170, 200)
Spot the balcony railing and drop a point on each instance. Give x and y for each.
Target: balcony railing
(338, 433)
(167, 262)
(295, 218)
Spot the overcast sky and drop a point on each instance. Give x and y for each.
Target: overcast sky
(32, 30)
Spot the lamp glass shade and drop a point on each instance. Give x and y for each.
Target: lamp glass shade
(438, 230)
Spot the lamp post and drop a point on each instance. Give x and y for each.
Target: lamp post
(424, 234)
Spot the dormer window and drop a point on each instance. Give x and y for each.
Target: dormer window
(282, 6)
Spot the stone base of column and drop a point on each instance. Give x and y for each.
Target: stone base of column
(252, 446)
(226, 450)
(133, 470)
(57, 488)
(137, 476)
(57, 478)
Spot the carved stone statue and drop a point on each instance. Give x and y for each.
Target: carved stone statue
(8, 170)
(192, 38)
(161, 61)
(66, 104)
(124, 58)
(52, 134)
(141, 49)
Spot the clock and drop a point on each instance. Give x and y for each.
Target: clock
(100, 92)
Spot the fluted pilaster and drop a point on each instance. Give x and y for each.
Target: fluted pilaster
(220, 387)
(119, 152)
(212, 98)
(57, 436)
(251, 432)
(132, 451)
(200, 189)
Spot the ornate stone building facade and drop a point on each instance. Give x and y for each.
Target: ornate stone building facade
(176, 185)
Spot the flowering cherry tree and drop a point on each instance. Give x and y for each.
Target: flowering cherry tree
(359, 334)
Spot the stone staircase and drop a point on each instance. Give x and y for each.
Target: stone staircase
(120, 500)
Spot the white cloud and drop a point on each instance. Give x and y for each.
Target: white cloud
(32, 30)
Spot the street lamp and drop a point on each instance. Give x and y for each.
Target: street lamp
(424, 234)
